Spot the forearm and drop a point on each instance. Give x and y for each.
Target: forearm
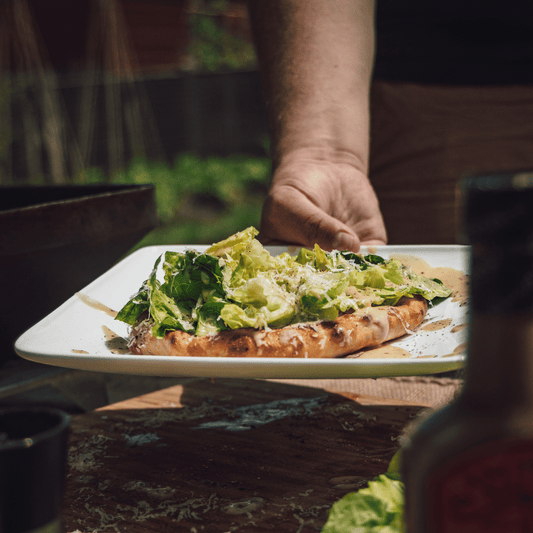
(316, 60)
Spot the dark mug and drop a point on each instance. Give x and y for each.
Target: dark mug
(33, 457)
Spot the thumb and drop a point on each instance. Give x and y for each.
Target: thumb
(346, 241)
(330, 234)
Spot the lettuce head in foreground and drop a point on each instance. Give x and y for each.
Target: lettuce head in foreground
(378, 508)
(236, 283)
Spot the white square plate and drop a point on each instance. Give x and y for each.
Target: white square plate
(82, 334)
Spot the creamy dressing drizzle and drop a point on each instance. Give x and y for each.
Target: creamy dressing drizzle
(460, 349)
(115, 343)
(437, 325)
(379, 321)
(459, 328)
(382, 352)
(454, 279)
(259, 337)
(96, 305)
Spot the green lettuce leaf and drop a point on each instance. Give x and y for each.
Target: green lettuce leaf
(234, 245)
(140, 303)
(131, 312)
(377, 508)
(253, 260)
(209, 320)
(237, 283)
(259, 302)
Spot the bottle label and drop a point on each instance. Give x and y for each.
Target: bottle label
(488, 488)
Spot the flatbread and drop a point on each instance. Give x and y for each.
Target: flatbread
(348, 333)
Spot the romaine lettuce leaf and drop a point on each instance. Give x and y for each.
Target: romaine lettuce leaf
(253, 260)
(377, 508)
(140, 303)
(233, 246)
(131, 312)
(237, 283)
(208, 317)
(258, 303)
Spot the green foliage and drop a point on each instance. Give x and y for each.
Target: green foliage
(213, 47)
(199, 200)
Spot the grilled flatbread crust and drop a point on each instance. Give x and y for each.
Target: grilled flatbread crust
(349, 333)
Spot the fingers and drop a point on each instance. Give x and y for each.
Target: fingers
(344, 241)
(319, 202)
(295, 220)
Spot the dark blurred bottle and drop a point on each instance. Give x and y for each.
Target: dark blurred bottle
(468, 468)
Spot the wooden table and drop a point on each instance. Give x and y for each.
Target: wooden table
(227, 455)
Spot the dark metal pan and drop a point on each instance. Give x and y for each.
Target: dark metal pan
(54, 240)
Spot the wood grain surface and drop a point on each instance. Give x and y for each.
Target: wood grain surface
(226, 456)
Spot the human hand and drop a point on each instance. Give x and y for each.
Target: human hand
(317, 201)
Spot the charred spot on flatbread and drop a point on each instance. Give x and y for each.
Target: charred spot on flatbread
(239, 345)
